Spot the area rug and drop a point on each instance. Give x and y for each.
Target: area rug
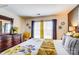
(47, 48)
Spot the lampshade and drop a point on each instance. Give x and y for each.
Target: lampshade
(71, 28)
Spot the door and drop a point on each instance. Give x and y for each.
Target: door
(36, 30)
(43, 29)
(48, 29)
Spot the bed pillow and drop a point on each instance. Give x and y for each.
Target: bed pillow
(67, 41)
(76, 35)
(74, 47)
(65, 36)
(71, 44)
(63, 39)
(69, 33)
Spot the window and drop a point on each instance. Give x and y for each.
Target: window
(48, 29)
(7, 27)
(36, 29)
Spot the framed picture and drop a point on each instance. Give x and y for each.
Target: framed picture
(62, 23)
(60, 27)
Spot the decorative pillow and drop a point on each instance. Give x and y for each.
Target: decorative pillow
(69, 33)
(76, 35)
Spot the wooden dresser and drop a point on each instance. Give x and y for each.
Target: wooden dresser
(9, 40)
(16, 39)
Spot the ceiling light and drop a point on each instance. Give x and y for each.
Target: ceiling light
(38, 14)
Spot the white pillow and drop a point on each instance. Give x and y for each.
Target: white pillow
(63, 39)
(67, 40)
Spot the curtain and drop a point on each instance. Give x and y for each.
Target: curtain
(54, 29)
(41, 29)
(32, 29)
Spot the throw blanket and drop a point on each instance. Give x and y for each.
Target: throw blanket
(47, 48)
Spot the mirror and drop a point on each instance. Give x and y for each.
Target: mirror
(7, 27)
(6, 24)
(0, 26)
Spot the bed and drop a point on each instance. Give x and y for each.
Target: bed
(59, 48)
(32, 47)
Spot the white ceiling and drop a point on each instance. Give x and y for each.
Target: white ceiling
(34, 9)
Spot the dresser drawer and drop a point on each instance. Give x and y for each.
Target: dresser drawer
(8, 41)
(16, 39)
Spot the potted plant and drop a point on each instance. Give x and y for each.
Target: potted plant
(14, 30)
